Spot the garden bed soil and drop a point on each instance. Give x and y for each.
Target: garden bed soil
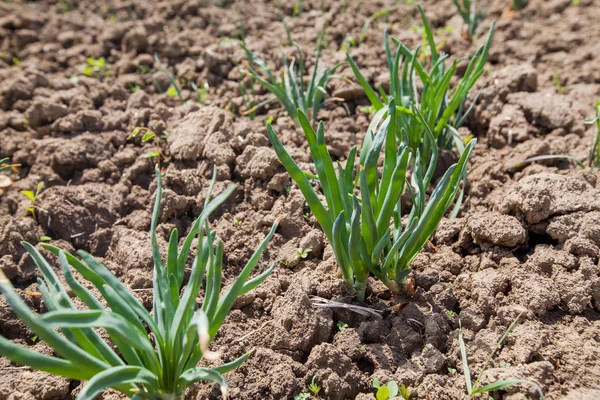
(527, 241)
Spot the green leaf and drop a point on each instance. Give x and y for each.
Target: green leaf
(383, 393)
(117, 376)
(29, 194)
(393, 388)
(465, 364)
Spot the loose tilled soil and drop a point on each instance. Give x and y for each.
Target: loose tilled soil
(527, 240)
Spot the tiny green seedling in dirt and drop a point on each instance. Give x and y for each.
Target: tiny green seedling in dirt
(363, 220)
(151, 355)
(342, 326)
(594, 161)
(32, 196)
(290, 89)
(471, 15)
(201, 92)
(302, 253)
(96, 67)
(149, 136)
(314, 387)
(174, 89)
(390, 391)
(476, 389)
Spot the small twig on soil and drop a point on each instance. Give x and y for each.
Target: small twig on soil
(238, 340)
(364, 311)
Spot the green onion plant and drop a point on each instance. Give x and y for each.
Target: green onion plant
(476, 389)
(362, 217)
(290, 88)
(411, 84)
(155, 355)
(470, 14)
(595, 149)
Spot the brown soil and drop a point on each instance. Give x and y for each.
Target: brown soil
(527, 240)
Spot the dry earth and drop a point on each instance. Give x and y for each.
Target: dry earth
(527, 240)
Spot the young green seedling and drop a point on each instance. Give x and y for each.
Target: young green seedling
(290, 89)
(148, 136)
(595, 149)
(174, 90)
(302, 253)
(476, 389)
(151, 355)
(362, 217)
(96, 67)
(342, 326)
(32, 196)
(385, 392)
(471, 16)
(314, 387)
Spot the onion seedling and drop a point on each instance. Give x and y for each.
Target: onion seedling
(32, 196)
(474, 389)
(444, 111)
(365, 226)
(595, 149)
(471, 16)
(159, 365)
(290, 89)
(174, 89)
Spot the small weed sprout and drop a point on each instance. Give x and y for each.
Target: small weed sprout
(290, 88)
(302, 253)
(96, 67)
(476, 389)
(148, 136)
(594, 161)
(32, 196)
(174, 89)
(471, 16)
(201, 92)
(152, 355)
(363, 220)
(556, 82)
(302, 396)
(385, 392)
(314, 387)
(342, 326)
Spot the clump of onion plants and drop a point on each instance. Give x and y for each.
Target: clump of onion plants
(155, 355)
(362, 217)
(412, 84)
(290, 88)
